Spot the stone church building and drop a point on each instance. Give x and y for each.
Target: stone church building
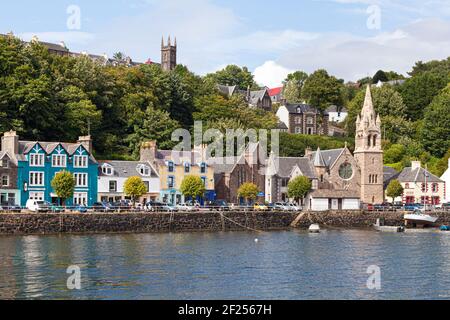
(340, 180)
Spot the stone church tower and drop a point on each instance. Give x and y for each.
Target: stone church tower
(369, 153)
(168, 55)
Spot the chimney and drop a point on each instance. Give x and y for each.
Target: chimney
(86, 141)
(148, 151)
(308, 153)
(415, 165)
(10, 142)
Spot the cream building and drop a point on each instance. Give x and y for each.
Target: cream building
(446, 178)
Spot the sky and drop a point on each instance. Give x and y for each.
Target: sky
(351, 39)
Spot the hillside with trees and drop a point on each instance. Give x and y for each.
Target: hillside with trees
(50, 97)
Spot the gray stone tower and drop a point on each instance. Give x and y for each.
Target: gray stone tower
(168, 55)
(369, 153)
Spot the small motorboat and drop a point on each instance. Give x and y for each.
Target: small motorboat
(445, 228)
(418, 218)
(379, 226)
(314, 228)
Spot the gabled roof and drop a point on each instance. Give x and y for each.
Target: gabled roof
(417, 175)
(304, 108)
(330, 156)
(226, 90)
(256, 96)
(318, 159)
(275, 91)
(26, 146)
(125, 169)
(286, 164)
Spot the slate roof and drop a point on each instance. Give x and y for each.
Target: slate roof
(178, 158)
(334, 108)
(417, 175)
(287, 164)
(338, 194)
(256, 96)
(226, 90)
(329, 156)
(305, 108)
(318, 159)
(282, 126)
(26, 146)
(124, 169)
(389, 174)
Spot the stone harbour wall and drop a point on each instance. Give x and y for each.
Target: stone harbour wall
(192, 222)
(143, 223)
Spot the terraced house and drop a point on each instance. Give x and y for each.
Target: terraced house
(173, 167)
(38, 162)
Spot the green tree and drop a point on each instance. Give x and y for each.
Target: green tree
(379, 76)
(135, 188)
(192, 187)
(298, 188)
(419, 91)
(293, 86)
(435, 134)
(249, 191)
(394, 153)
(322, 90)
(63, 184)
(233, 75)
(394, 189)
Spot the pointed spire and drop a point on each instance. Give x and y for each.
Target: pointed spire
(162, 42)
(318, 159)
(169, 42)
(378, 119)
(175, 42)
(368, 103)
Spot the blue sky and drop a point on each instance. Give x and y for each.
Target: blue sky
(350, 38)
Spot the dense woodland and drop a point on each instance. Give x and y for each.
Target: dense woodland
(49, 97)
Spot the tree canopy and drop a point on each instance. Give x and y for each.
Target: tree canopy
(192, 187)
(63, 183)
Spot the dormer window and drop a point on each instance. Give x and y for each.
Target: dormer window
(36, 160)
(80, 161)
(108, 170)
(59, 160)
(5, 163)
(299, 110)
(144, 170)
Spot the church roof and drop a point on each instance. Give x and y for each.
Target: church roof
(318, 159)
(329, 156)
(287, 164)
(417, 175)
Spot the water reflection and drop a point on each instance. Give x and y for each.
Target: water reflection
(281, 265)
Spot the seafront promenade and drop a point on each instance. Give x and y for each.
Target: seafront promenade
(214, 221)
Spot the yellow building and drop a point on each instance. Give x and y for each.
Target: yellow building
(174, 166)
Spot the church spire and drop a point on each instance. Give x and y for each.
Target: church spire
(318, 159)
(368, 104)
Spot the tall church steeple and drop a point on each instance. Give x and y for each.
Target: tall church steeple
(168, 55)
(369, 153)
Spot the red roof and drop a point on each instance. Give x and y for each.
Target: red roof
(275, 91)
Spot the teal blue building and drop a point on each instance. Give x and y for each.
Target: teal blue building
(38, 162)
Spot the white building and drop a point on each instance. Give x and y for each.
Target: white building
(446, 178)
(113, 174)
(336, 114)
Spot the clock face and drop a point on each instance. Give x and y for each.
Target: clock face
(346, 171)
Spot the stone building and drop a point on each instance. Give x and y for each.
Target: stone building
(303, 119)
(255, 98)
(340, 180)
(9, 190)
(231, 172)
(168, 55)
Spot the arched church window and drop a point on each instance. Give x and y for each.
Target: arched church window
(369, 140)
(374, 141)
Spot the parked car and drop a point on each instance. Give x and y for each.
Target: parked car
(412, 206)
(193, 203)
(54, 207)
(122, 205)
(281, 206)
(36, 206)
(446, 206)
(220, 205)
(187, 207)
(260, 207)
(81, 208)
(294, 207)
(102, 207)
(169, 208)
(154, 206)
(385, 206)
(10, 208)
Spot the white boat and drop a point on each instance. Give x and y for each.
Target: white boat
(419, 218)
(382, 228)
(314, 228)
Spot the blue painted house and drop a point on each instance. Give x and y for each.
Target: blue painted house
(39, 161)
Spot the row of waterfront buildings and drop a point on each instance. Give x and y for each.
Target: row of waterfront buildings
(340, 179)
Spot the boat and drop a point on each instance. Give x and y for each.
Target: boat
(419, 218)
(445, 228)
(379, 226)
(314, 228)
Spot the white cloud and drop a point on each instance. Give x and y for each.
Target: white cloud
(271, 74)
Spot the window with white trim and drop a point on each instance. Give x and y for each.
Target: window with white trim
(37, 159)
(80, 161)
(36, 179)
(5, 180)
(144, 170)
(80, 198)
(81, 179)
(59, 160)
(108, 170)
(39, 196)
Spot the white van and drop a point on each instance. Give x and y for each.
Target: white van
(36, 205)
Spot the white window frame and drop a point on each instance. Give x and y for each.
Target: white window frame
(80, 161)
(81, 179)
(59, 160)
(37, 159)
(38, 196)
(144, 170)
(36, 178)
(108, 169)
(80, 198)
(7, 180)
